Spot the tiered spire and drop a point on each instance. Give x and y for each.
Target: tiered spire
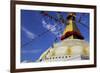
(71, 31)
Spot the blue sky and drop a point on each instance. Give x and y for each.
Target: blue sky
(33, 39)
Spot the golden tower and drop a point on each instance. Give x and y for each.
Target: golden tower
(71, 31)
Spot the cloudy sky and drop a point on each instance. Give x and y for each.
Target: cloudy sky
(39, 32)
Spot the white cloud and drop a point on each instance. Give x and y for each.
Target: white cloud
(52, 28)
(43, 21)
(48, 26)
(28, 33)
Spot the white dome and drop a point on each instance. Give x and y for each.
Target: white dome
(68, 47)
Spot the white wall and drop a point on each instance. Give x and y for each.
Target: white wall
(5, 36)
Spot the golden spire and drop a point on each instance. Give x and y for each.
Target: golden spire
(71, 30)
